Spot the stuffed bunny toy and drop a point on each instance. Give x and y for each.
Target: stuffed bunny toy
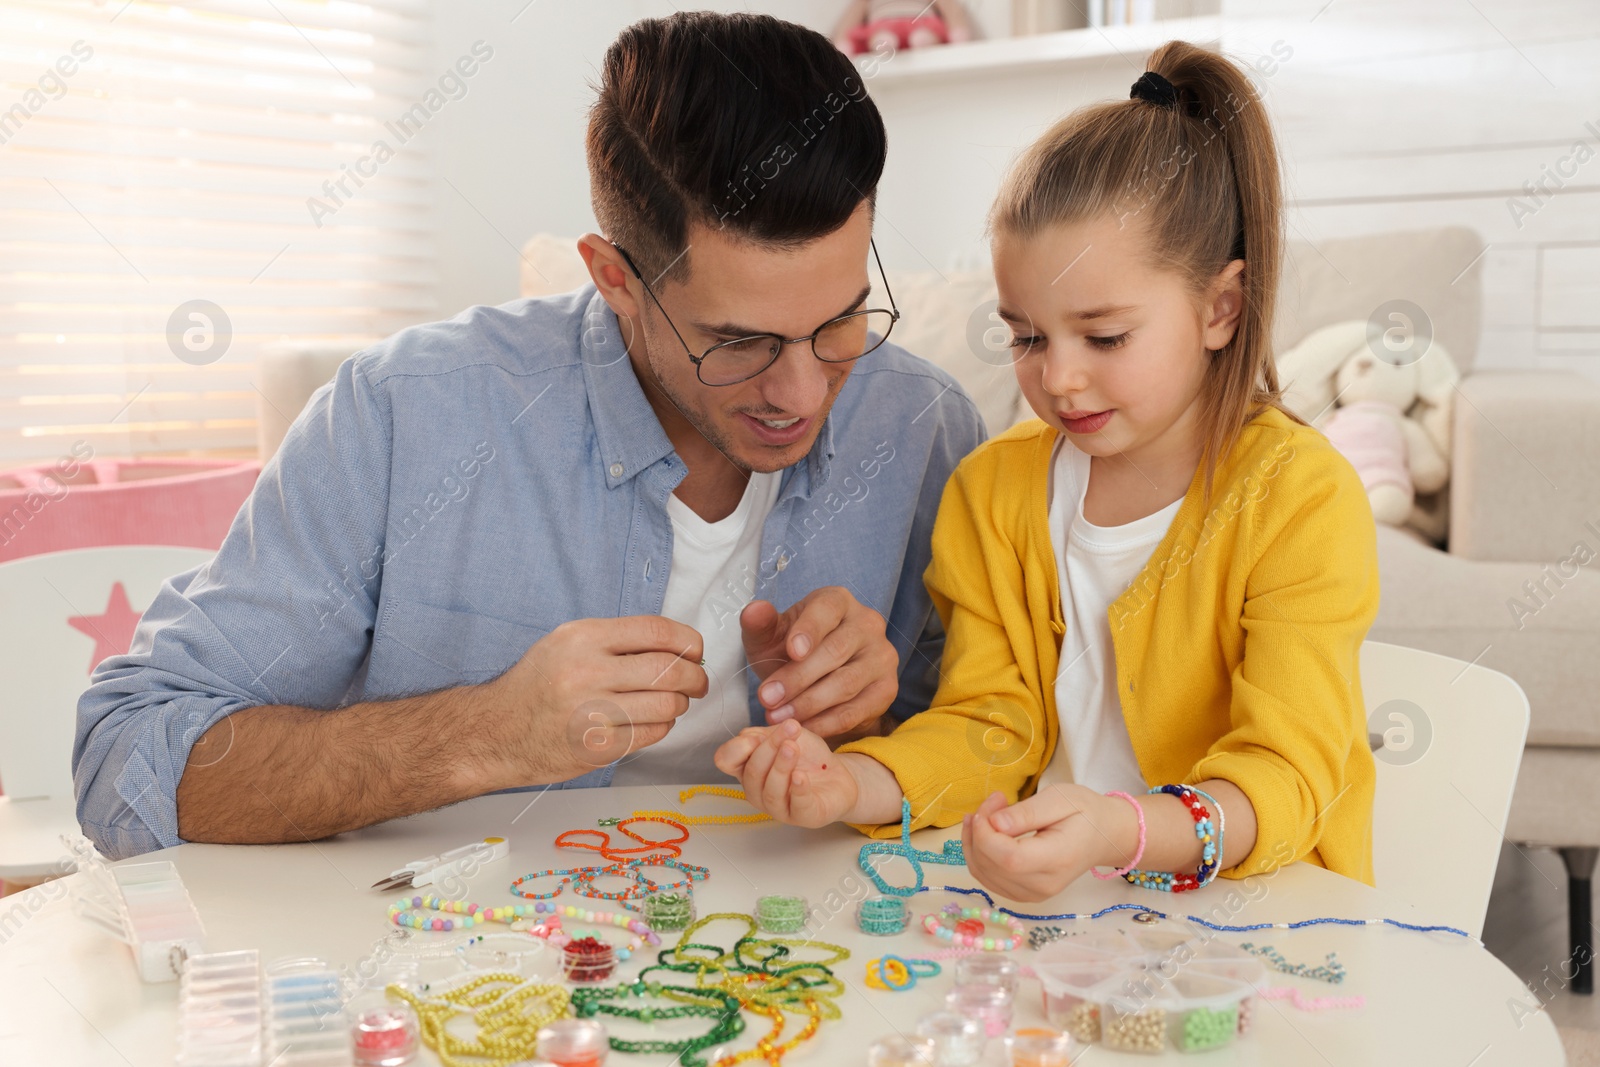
(886, 25)
(1389, 417)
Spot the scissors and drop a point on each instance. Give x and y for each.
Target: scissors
(432, 869)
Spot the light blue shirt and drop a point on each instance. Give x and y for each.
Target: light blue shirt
(459, 490)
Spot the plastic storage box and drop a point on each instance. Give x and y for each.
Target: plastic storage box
(1149, 990)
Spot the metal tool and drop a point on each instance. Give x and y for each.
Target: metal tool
(457, 861)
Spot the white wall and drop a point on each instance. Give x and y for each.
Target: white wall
(510, 154)
(1393, 114)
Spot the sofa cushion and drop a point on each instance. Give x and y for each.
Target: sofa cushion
(1351, 277)
(1465, 608)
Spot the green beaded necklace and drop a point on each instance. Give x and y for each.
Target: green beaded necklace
(588, 1002)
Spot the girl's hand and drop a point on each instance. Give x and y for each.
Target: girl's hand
(1075, 829)
(790, 773)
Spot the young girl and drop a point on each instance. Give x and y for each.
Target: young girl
(1155, 595)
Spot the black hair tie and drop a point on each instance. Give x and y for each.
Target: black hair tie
(1153, 88)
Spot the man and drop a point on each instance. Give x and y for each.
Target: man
(579, 540)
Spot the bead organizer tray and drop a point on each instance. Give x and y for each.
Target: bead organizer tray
(1149, 990)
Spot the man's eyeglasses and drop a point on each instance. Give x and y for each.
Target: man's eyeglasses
(839, 340)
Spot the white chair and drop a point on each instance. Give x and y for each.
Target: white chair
(1452, 736)
(46, 662)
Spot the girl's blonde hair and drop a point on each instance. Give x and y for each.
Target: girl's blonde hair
(1200, 173)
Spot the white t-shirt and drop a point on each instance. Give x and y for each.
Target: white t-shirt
(1095, 565)
(712, 577)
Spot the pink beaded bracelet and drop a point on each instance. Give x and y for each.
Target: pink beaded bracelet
(1137, 856)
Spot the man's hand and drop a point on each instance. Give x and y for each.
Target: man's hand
(824, 663)
(790, 773)
(1074, 829)
(591, 691)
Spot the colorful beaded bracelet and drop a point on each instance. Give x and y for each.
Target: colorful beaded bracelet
(406, 912)
(897, 975)
(964, 928)
(631, 923)
(1169, 882)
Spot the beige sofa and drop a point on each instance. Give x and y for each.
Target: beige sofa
(1525, 491)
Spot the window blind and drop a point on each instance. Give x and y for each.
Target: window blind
(171, 205)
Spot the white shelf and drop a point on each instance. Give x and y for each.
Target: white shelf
(1043, 51)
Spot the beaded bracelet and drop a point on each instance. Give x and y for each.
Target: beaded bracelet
(1168, 882)
(1138, 854)
(406, 912)
(632, 923)
(1222, 832)
(964, 928)
(894, 974)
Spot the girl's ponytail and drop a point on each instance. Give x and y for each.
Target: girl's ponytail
(1191, 156)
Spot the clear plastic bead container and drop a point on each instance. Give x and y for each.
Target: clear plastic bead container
(988, 968)
(883, 916)
(668, 908)
(1148, 991)
(574, 1043)
(991, 1005)
(385, 1036)
(307, 1025)
(957, 1040)
(1039, 1047)
(588, 967)
(219, 1010)
(900, 1051)
(781, 914)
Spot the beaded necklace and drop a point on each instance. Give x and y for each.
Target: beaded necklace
(758, 972)
(589, 1002)
(951, 855)
(507, 1010)
(1219, 927)
(693, 791)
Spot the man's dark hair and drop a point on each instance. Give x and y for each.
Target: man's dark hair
(745, 122)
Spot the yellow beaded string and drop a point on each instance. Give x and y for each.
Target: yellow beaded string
(708, 820)
(508, 1024)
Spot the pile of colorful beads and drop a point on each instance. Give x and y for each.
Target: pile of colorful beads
(882, 916)
(777, 914)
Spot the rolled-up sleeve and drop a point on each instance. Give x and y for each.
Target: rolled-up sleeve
(282, 614)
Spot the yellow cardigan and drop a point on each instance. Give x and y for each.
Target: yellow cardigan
(1236, 647)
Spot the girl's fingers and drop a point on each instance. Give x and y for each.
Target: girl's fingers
(775, 793)
(731, 756)
(1044, 808)
(756, 769)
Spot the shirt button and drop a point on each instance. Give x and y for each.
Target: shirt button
(616, 470)
(783, 561)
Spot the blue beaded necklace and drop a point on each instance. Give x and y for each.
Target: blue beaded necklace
(952, 855)
(1220, 927)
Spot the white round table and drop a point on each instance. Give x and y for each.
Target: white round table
(69, 994)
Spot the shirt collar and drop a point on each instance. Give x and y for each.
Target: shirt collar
(630, 436)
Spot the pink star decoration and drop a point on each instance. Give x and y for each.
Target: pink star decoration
(112, 630)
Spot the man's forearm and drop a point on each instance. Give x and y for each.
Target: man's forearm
(274, 773)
